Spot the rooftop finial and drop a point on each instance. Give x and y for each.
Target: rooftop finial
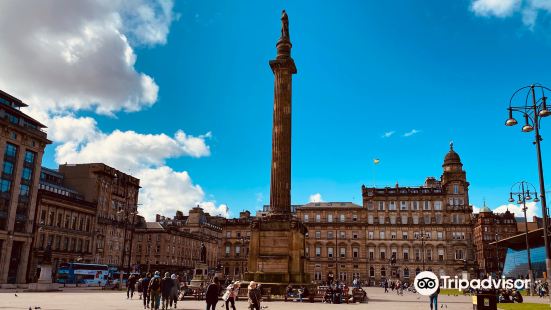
(451, 144)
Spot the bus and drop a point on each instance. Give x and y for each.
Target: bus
(78, 273)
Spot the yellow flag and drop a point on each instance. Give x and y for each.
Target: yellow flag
(376, 161)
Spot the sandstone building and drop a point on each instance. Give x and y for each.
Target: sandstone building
(487, 228)
(22, 141)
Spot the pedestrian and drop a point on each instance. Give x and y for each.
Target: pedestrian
(211, 296)
(166, 290)
(254, 295)
(145, 290)
(175, 290)
(231, 294)
(130, 286)
(385, 284)
(434, 299)
(155, 290)
(139, 287)
(288, 291)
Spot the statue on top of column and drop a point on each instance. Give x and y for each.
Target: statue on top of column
(284, 25)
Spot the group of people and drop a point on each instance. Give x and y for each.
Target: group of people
(336, 293)
(214, 289)
(397, 285)
(509, 296)
(541, 288)
(156, 292)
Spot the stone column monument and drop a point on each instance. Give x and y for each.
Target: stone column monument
(276, 249)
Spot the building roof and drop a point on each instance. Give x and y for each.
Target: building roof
(485, 210)
(452, 157)
(330, 205)
(154, 226)
(518, 242)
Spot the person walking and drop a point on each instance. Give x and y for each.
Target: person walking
(130, 286)
(211, 296)
(434, 299)
(155, 290)
(166, 290)
(139, 287)
(254, 296)
(385, 284)
(175, 290)
(145, 290)
(232, 291)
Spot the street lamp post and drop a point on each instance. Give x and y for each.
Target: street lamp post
(423, 248)
(533, 113)
(242, 271)
(523, 193)
(125, 214)
(497, 256)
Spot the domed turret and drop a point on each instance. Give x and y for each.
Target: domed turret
(452, 161)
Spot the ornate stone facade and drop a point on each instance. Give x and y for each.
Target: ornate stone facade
(487, 228)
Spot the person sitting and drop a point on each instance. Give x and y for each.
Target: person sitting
(288, 292)
(517, 297)
(328, 296)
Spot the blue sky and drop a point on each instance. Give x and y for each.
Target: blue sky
(445, 69)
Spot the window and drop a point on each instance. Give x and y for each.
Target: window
(330, 218)
(404, 219)
(403, 205)
(370, 219)
(405, 254)
(370, 235)
(342, 218)
(29, 157)
(26, 174)
(330, 252)
(426, 205)
(8, 167)
(438, 218)
(404, 235)
(441, 255)
(306, 217)
(5, 186)
(24, 190)
(459, 254)
(237, 250)
(318, 251)
(415, 219)
(438, 205)
(12, 118)
(381, 205)
(329, 235)
(415, 205)
(440, 235)
(426, 218)
(417, 254)
(354, 217)
(11, 150)
(318, 218)
(318, 234)
(342, 234)
(355, 252)
(392, 206)
(307, 251)
(456, 189)
(406, 272)
(369, 205)
(354, 235)
(393, 220)
(228, 249)
(382, 235)
(371, 254)
(228, 234)
(342, 251)
(381, 219)
(371, 272)
(383, 272)
(429, 254)
(393, 235)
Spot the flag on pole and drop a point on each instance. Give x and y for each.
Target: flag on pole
(376, 161)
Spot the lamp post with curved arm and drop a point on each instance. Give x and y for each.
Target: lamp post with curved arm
(522, 191)
(533, 111)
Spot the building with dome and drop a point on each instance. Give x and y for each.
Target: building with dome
(487, 228)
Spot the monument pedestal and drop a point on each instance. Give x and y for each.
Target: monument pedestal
(200, 275)
(276, 252)
(44, 283)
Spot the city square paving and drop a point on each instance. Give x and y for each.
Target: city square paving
(88, 299)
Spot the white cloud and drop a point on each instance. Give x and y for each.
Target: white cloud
(64, 55)
(166, 191)
(529, 10)
(517, 210)
(476, 209)
(500, 8)
(411, 132)
(315, 198)
(388, 134)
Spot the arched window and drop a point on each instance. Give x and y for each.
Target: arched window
(371, 272)
(406, 272)
(417, 271)
(383, 272)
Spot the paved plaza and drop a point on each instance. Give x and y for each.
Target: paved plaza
(82, 299)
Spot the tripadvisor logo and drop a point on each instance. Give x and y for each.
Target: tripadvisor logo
(426, 283)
